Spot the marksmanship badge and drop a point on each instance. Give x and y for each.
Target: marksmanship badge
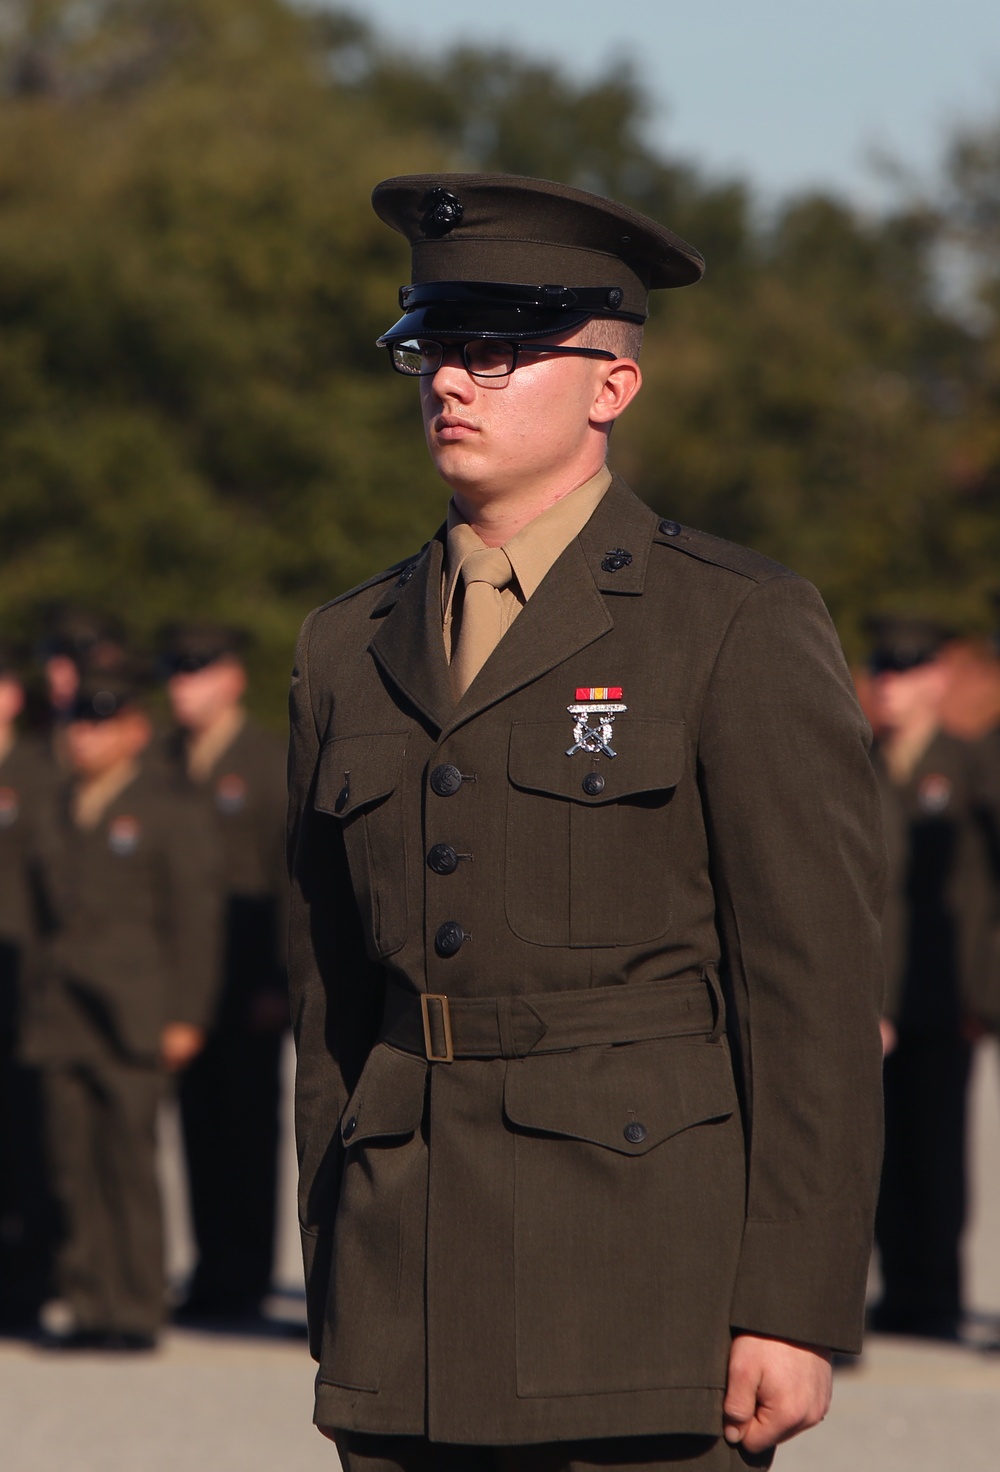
(590, 734)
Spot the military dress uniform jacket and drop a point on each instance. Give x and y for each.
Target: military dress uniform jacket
(590, 1193)
(135, 904)
(26, 781)
(247, 797)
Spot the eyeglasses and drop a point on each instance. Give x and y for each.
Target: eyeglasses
(484, 357)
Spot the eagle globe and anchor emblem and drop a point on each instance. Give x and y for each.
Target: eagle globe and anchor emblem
(594, 715)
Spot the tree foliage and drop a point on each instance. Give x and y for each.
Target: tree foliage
(194, 419)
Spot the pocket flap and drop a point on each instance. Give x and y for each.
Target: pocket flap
(650, 758)
(628, 1098)
(357, 770)
(389, 1098)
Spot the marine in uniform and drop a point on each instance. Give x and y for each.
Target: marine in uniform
(587, 870)
(230, 1096)
(26, 780)
(131, 879)
(942, 896)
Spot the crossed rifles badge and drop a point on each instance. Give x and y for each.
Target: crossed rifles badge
(602, 702)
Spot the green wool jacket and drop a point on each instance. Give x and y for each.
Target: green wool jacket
(27, 779)
(661, 1121)
(245, 798)
(135, 911)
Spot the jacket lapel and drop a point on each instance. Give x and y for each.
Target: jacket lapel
(566, 613)
(563, 616)
(408, 645)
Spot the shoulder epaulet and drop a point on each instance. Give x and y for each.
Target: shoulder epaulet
(742, 560)
(401, 571)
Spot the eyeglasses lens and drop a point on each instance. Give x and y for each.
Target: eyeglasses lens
(489, 358)
(417, 356)
(486, 358)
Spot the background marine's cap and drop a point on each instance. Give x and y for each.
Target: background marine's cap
(93, 640)
(102, 695)
(505, 256)
(188, 647)
(901, 642)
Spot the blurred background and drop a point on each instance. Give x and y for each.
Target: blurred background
(195, 423)
(192, 412)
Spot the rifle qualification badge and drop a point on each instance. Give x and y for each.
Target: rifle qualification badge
(593, 716)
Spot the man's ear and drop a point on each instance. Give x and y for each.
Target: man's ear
(620, 382)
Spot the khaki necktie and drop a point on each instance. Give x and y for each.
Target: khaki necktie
(481, 627)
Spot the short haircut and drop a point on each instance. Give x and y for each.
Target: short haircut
(615, 335)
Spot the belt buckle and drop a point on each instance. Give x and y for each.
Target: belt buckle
(448, 1056)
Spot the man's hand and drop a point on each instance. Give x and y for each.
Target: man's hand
(775, 1390)
(180, 1042)
(889, 1038)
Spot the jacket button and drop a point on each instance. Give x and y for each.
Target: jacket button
(446, 781)
(350, 1126)
(670, 528)
(593, 784)
(634, 1133)
(449, 938)
(442, 859)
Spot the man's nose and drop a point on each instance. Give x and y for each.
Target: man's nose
(452, 379)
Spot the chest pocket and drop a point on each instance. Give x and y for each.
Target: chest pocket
(590, 839)
(358, 785)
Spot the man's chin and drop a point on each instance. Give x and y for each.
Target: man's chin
(459, 468)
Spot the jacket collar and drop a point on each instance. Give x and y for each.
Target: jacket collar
(564, 615)
(621, 523)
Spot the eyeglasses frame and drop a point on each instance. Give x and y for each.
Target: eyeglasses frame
(517, 349)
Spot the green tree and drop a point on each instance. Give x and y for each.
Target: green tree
(193, 417)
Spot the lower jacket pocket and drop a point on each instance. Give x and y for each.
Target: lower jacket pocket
(628, 1214)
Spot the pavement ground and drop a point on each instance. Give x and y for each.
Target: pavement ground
(242, 1403)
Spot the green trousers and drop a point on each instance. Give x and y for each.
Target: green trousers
(101, 1130)
(362, 1453)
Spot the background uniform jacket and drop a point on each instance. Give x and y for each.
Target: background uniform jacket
(246, 795)
(230, 1094)
(590, 1219)
(135, 906)
(26, 781)
(942, 886)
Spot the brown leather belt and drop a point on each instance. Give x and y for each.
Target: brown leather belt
(441, 1028)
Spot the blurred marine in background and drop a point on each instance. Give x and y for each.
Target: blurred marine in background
(26, 779)
(131, 879)
(942, 902)
(230, 1096)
